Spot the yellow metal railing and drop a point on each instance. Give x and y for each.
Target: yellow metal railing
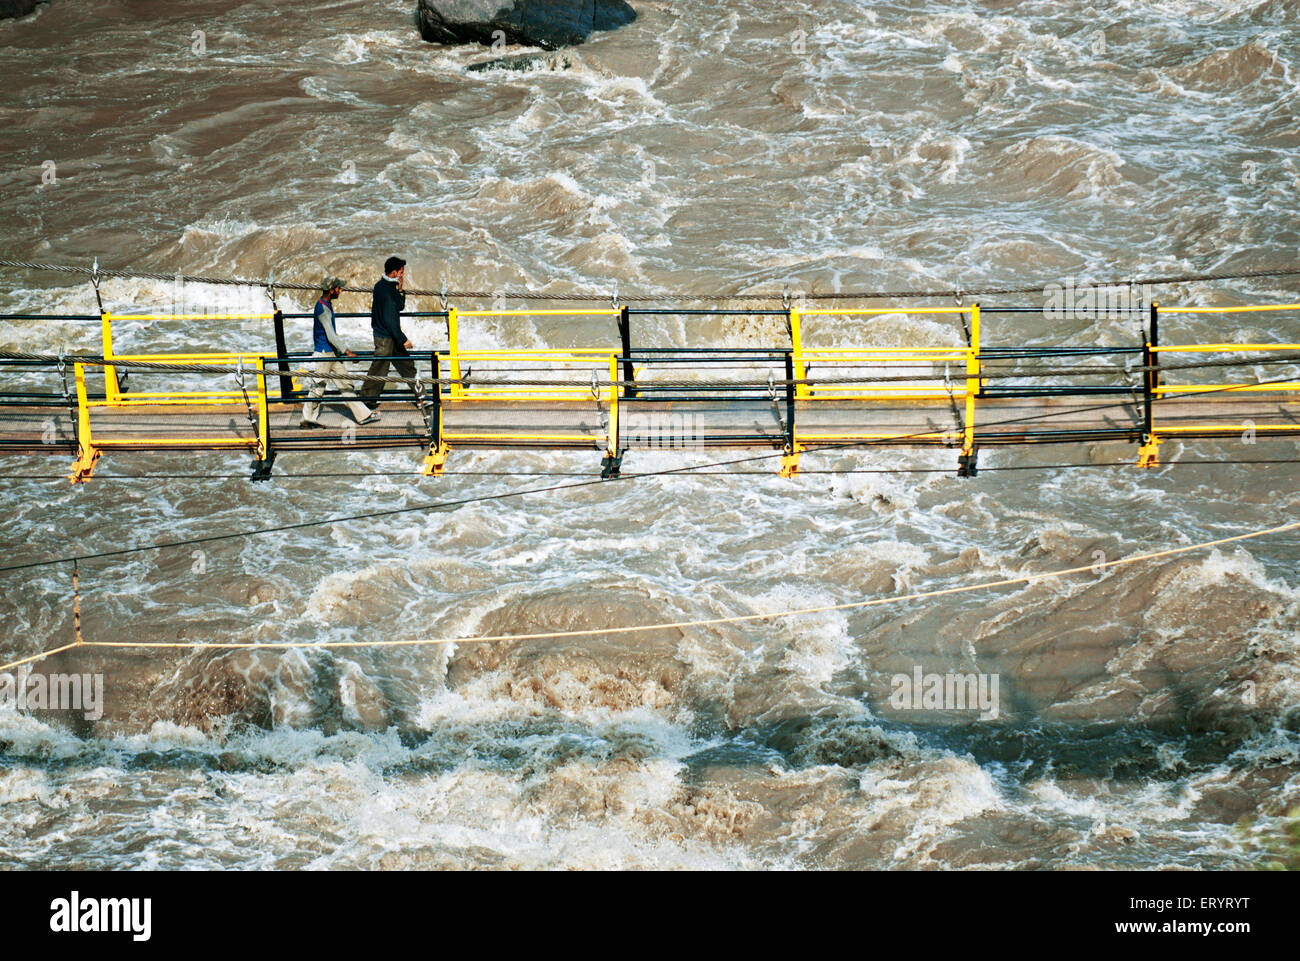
(455, 356)
(114, 396)
(256, 397)
(544, 364)
(1227, 348)
(598, 382)
(1210, 390)
(1160, 390)
(933, 365)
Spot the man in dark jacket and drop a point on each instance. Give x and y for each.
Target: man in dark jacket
(390, 340)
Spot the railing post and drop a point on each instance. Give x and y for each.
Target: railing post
(613, 459)
(87, 453)
(1155, 342)
(436, 459)
(796, 347)
(453, 352)
(1149, 452)
(967, 462)
(110, 373)
(282, 352)
(265, 458)
(263, 411)
(790, 457)
(625, 335)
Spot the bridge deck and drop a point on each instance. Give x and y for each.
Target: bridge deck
(653, 423)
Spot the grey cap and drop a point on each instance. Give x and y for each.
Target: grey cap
(329, 283)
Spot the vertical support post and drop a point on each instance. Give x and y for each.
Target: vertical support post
(613, 459)
(263, 411)
(790, 458)
(1149, 452)
(110, 373)
(967, 462)
(613, 405)
(265, 458)
(436, 459)
(1155, 342)
(796, 347)
(453, 351)
(87, 453)
(625, 336)
(282, 352)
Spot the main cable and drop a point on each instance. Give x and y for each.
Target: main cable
(782, 296)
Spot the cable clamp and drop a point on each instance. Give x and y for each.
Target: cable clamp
(1149, 452)
(610, 464)
(63, 375)
(790, 461)
(967, 463)
(94, 282)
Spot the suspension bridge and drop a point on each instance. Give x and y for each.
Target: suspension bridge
(621, 396)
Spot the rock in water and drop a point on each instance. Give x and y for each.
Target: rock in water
(527, 63)
(541, 23)
(16, 8)
(612, 14)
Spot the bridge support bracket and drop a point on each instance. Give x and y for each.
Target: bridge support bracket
(610, 464)
(262, 468)
(790, 461)
(968, 463)
(436, 460)
(1149, 452)
(84, 465)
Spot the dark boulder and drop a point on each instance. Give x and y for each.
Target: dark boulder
(612, 14)
(541, 23)
(16, 8)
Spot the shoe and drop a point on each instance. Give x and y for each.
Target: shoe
(374, 416)
(305, 424)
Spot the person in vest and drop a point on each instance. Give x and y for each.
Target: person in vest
(390, 340)
(327, 348)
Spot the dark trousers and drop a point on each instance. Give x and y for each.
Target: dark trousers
(387, 347)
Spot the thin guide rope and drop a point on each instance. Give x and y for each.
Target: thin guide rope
(668, 625)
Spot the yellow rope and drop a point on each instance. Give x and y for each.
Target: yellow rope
(37, 657)
(668, 625)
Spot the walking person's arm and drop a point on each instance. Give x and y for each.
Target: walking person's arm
(399, 305)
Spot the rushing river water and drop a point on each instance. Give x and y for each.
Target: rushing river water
(1147, 715)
